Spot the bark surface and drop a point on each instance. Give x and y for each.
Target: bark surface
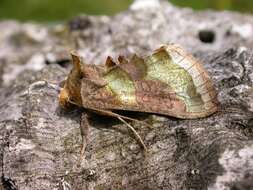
(40, 142)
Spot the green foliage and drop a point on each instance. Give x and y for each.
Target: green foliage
(51, 10)
(237, 5)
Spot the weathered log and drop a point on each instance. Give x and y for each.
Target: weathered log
(40, 142)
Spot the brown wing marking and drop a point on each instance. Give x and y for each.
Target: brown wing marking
(135, 68)
(155, 96)
(94, 94)
(122, 60)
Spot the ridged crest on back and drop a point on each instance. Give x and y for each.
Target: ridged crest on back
(169, 82)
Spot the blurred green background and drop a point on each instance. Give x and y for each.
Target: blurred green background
(56, 10)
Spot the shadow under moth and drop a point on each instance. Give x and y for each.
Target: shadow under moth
(170, 82)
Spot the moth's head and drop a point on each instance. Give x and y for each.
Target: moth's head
(80, 74)
(70, 93)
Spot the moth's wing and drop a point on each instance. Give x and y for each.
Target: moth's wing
(143, 96)
(95, 95)
(193, 94)
(111, 64)
(90, 87)
(117, 93)
(201, 82)
(159, 84)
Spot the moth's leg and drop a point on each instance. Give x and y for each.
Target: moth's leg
(84, 129)
(121, 118)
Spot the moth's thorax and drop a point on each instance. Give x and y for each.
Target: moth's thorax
(70, 94)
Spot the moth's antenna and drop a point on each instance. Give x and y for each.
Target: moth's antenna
(135, 133)
(121, 118)
(112, 114)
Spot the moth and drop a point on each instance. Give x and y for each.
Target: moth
(170, 82)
